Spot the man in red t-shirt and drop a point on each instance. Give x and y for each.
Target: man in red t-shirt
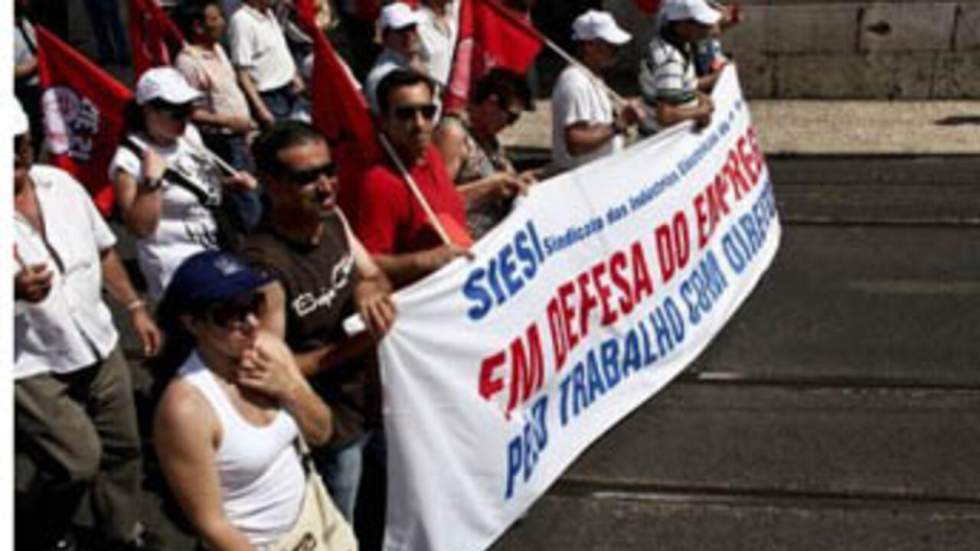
(382, 210)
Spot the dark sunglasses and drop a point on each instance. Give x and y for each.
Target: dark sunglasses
(303, 178)
(408, 112)
(236, 311)
(512, 116)
(175, 111)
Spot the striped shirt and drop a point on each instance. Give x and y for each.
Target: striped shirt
(667, 75)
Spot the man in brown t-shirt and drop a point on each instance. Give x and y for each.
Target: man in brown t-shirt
(323, 275)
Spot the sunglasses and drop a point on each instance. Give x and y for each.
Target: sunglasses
(408, 112)
(232, 314)
(512, 115)
(175, 111)
(303, 178)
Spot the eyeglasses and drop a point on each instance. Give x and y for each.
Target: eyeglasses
(175, 111)
(232, 314)
(303, 178)
(512, 116)
(408, 112)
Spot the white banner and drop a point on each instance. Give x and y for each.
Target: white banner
(603, 286)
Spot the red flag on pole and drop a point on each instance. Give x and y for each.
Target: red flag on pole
(156, 40)
(340, 111)
(84, 115)
(490, 35)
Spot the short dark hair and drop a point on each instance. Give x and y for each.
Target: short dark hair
(399, 78)
(506, 85)
(281, 135)
(190, 12)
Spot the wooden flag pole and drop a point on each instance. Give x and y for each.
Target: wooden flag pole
(429, 213)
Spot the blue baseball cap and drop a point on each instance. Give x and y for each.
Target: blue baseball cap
(209, 277)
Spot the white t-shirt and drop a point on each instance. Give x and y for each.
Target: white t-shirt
(576, 98)
(58, 334)
(186, 226)
(439, 44)
(258, 45)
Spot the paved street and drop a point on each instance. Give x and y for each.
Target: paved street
(840, 409)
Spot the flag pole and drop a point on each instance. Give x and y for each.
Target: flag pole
(618, 99)
(413, 186)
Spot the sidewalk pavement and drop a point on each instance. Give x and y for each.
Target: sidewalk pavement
(828, 127)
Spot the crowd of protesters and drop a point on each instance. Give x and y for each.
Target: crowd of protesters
(254, 254)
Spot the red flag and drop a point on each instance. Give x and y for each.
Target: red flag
(648, 6)
(156, 40)
(340, 111)
(490, 35)
(84, 115)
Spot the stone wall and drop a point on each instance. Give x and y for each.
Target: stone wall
(844, 48)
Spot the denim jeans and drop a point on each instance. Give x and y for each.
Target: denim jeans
(341, 468)
(282, 102)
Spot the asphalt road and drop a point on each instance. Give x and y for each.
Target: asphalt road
(840, 408)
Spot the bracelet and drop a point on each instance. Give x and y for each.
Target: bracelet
(135, 305)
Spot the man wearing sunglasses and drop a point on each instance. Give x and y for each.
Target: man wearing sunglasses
(323, 275)
(385, 214)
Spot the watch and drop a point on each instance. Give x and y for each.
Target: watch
(153, 184)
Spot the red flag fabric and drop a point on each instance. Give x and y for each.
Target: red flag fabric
(155, 38)
(84, 115)
(490, 35)
(648, 6)
(340, 111)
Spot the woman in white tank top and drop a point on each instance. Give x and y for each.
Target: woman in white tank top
(226, 427)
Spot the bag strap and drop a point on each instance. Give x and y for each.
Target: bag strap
(172, 175)
(305, 456)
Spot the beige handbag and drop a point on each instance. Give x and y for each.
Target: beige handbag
(320, 526)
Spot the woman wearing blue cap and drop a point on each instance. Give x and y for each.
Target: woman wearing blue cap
(230, 426)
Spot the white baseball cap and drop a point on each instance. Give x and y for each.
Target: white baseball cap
(398, 15)
(696, 10)
(595, 24)
(167, 84)
(18, 120)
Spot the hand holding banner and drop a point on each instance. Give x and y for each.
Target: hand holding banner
(602, 287)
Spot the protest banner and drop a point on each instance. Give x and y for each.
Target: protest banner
(598, 290)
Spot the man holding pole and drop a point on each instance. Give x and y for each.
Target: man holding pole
(406, 211)
(585, 124)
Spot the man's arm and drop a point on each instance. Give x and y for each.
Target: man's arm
(259, 108)
(406, 268)
(669, 114)
(312, 362)
(584, 137)
(121, 289)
